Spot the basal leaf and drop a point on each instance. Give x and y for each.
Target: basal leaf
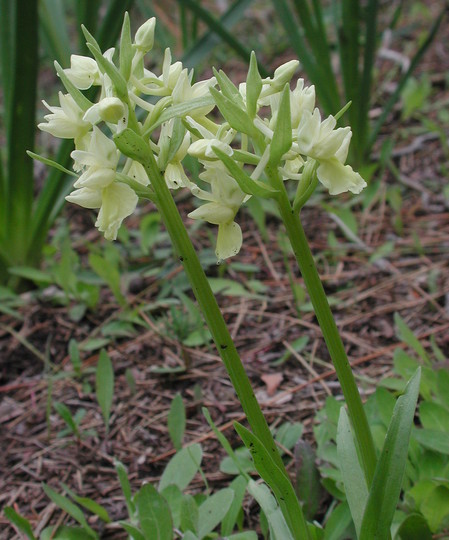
(387, 482)
(182, 467)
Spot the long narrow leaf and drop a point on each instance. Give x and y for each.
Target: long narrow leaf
(215, 26)
(202, 47)
(21, 130)
(387, 482)
(348, 42)
(329, 100)
(7, 27)
(278, 482)
(87, 14)
(360, 128)
(396, 94)
(352, 473)
(52, 18)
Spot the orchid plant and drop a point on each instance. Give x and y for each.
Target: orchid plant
(131, 144)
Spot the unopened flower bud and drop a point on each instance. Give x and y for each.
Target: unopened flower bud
(284, 73)
(111, 110)
(144, 38)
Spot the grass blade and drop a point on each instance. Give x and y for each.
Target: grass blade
(217, 27)
(105, 385)
(396, 94)
(21, 130)
(329, 101)
(386, 487)
(20, 522)
(360, 127)
(53, 22)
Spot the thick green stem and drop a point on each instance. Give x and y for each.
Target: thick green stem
(217, 326)
(326, 321)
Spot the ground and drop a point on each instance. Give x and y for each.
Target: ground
(396, 262)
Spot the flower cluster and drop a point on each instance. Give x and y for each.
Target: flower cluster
(172, 115)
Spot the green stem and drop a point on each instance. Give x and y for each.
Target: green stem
(217, 326)
(326, 321)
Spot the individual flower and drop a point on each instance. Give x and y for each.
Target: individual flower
(224, 201)
(184, 91)
(329, 147)
(83, 72)
(302, 98)
(108, 109)
(66, 121)
(203, 148)
(144, 38)
(99, 161)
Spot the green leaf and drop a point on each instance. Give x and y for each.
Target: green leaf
(33, 274)
(433, 440)
(443, 386)
(93, 507)
(66, 415)
(246, 183)
(126, 487)
(126, 49)
(434, 416)
(105, 385)
(53, 21)
(238, 485)
(132, 145)
(79, 98)
(109, 68)
(278, 526)
(182, 467)
(63, 533)
(154, 514)
(189, 514)
(20, 522)
(307, 484)
(179, 111)
(435, 507)
(338, 523)
(276, 479)
(65, 504)
(282, 135)
(289, 434)
(176, 421)
(353, 477)
(109, 273)
(233, 114)
(132, 531)
(406, 335)
(213, 510)
(253, 86)
(173, 495)
(414, 527)
(228, 88)
(386, 487)
(51, 163)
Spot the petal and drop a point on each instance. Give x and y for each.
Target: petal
(339, 178)
(95, 178)
(119, 201)
(213, 212)
(85, 197)
(229, 240)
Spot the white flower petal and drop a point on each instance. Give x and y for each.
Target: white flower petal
(339, 178)
(229, 240)
(85, 197)
(119, 201)
(213, 212)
